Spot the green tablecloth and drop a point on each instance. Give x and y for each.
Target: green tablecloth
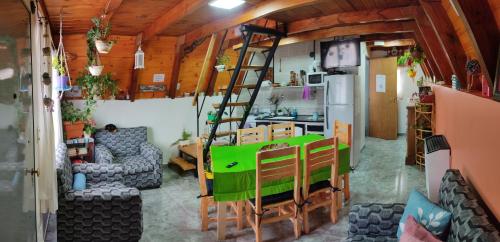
(238, 182)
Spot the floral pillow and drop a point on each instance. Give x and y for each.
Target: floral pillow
(415, 232)
(435, 219)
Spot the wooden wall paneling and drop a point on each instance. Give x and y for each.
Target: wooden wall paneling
(174, 74)
(119, 62)
(112, 8)
(190, 67)
(431, 60)
(208, 65)
(454, 52)
(480, 25)
(427, 34)
(159, 59)
(495, 9)
(345, 18)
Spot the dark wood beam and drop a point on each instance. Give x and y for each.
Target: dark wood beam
(447, 37)
(174, 74)
(387, 37)
(349, 18)
(172, 16)
(135, 72)
(480, 25)
(427, 35)
(429, 54)
(260, 10)
(112, 8)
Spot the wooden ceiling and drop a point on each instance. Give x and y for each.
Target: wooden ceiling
(17, 14)
(131, 17)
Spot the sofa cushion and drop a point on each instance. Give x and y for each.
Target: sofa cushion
(79, 181)
(370, 238)
(470, 220)
(415, 232)
(123, 142)
(134, 164)
(430, 215)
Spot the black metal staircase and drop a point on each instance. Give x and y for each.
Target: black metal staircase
(248, 32)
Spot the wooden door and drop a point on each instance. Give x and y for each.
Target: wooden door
(383, 99)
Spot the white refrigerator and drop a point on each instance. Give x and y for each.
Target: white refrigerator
(342, 103)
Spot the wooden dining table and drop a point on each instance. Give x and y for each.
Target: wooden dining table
(233, 168)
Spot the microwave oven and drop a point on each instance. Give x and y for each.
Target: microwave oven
(315, 79)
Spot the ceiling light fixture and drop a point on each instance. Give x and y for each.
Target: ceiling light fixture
(226, 4)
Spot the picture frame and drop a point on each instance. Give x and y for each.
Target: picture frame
(496, 81)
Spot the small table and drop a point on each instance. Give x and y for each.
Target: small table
(238, 182)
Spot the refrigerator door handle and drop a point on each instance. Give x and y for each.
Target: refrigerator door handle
(326, 119)
(327, 92)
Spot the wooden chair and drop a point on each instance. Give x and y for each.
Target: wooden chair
(344, 132)
(250, 135)
(281, 206)
(281, 131)
(206, 194)
(317, 155)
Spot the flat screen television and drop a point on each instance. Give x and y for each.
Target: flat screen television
(339, 53)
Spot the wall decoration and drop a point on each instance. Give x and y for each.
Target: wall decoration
(159, 77)
(152, 88)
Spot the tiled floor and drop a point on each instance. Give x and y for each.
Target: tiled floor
(171, 212)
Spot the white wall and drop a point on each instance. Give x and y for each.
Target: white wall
(9, 115)
(406, 86)
(165, 118)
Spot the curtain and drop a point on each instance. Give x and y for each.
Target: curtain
(44, 125)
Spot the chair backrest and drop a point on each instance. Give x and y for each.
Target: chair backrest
(250, 135)
(281, 131)
(321, 154)
(344, 132)
(200, 167)
(123, 142)
(285, 163)
(64, 170)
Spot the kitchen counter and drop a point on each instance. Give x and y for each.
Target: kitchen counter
(299, 118)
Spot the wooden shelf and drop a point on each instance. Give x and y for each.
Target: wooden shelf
(423, 118)
(183, 164)
(248, 68)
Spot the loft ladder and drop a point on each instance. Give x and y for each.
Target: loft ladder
(248, 33)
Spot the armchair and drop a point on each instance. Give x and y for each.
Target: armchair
(106, 210)
(141, 161)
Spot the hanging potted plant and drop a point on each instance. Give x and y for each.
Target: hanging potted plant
(59, 64)
(73, 120)
(99, 33)
(410, 59)
(222, 62)
(94, 67)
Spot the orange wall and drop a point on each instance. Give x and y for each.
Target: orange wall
(472, 126)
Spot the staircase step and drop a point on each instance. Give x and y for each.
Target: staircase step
(220, 134)
(248, 68)
(227, 120)
(252, 48)
(249, 86)
(238, 104)
(183, 164)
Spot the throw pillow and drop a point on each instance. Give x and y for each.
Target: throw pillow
(414, 232)
(431, 216)
(79, 181)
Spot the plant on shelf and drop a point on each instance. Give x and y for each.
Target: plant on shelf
(73, 120)
(99, 35)
(89, 128)
(410, 59)
(184, 140)
(222, 62)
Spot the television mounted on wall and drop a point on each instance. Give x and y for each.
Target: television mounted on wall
(340, 53)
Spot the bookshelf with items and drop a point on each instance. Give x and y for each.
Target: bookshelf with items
(423, 129)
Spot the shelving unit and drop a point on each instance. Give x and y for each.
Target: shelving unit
(424, 127)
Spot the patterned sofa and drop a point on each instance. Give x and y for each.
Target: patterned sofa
(106, 210)
(470, 221)
(141, 161)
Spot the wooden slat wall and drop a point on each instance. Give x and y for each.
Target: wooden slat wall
(119, 61)
(159, 58)
(459, 27)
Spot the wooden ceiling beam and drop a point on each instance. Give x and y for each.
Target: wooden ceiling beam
(178, 55)
(393, 43)
(429, 57)
(112, 8)
(172, 16)
(349, 18)
(479, 22)
(427, 36)
(260, 10)
(360, 29)
(446, 35)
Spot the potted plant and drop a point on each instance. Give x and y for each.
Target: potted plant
(89, 129)
(222, 62)
(184, 140)
(73, 120)
(59, 64)
(212, 116)
(94, 67)
(410, 59)
(99, 33)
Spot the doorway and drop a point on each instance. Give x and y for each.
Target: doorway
(383, 101)
(17, 184)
